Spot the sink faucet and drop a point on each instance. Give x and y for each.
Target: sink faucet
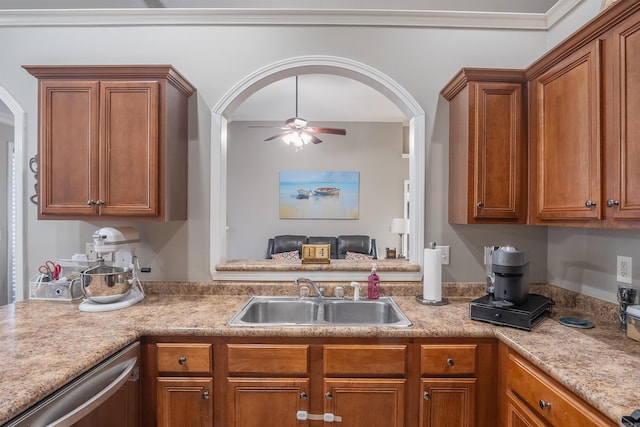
(313, 285)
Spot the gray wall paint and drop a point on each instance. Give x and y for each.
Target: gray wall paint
(422, 60)
(372, 149)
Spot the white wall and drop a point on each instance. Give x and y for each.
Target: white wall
(214, 58)
(6, 135)
(372, 149)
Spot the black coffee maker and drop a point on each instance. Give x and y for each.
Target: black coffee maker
(511, 272)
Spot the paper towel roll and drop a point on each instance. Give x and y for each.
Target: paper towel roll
(432, 279)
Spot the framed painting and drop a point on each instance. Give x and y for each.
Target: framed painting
(319, 195)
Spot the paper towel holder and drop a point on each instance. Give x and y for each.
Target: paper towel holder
(443, 301)
(420, 298)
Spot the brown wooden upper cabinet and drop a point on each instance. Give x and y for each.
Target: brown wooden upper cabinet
(487, 146)
(585, 125)
(112, 142)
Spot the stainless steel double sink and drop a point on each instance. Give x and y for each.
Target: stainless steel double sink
(292, 311)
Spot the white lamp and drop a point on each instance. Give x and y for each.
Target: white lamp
(400, 226)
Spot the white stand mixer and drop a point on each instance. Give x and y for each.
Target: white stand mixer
(117, 246)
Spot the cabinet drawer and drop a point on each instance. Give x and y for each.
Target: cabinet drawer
(443, 359)
(181, 357)
(365, 359)
(268, 359)
(550, 401)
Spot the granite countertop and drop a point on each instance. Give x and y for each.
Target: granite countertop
(46, 344)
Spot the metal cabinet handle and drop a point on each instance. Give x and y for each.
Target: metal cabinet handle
(328, 395)
(182, 361)
(450, 361)
(544, 405)
(589, 203)
(205, 395)
(425, 395)
(100, 202)
(611, 203)
(91, 202)
(303, 396)
(480, 205)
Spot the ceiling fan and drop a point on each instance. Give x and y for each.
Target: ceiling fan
(296, 130)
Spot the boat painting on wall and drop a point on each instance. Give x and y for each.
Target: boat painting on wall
(319, 195)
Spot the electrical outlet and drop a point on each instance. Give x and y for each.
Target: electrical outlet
(91, 252)
(445, 254)
(623, 269)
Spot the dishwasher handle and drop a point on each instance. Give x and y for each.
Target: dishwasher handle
(96, 397)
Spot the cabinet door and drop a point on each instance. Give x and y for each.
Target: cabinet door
(366, 402)
(185, 402)
(565, 136)
(68, 152)
(266, 402)
(624, 175)
(500, 152)
(129, 148)
(448, 402)
(519, 415)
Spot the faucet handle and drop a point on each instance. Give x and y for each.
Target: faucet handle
(356, 290)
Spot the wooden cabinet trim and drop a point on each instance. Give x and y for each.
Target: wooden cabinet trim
(533, 387)
(365, 360)
(183, 358)
(282, 359)
(448, 359)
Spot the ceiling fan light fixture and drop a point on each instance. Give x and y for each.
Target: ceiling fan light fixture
(297, 139)
(297, 131)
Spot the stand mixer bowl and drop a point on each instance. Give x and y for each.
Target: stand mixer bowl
(104, 284)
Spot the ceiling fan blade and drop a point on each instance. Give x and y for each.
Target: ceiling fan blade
(269, 127)
(278, 135)
(315, 139)
(327, 130)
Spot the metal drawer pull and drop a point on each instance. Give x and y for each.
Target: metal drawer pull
(544, 405)
(450, 361)
(205, 395)
(480, 205)
(425, 395)
(611, 203)
(303, 396)
(589, 203)
(100, 202)
(182, 361)
(91, 202)
(328, 395)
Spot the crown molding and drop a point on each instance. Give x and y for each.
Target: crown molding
(559, 10)
(287, 17)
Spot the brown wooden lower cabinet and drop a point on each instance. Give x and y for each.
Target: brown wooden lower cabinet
(519, 414)
(366, 402)
(532, 398)
(367, 382)
(185, 401)
(448, 402)
(266, 402)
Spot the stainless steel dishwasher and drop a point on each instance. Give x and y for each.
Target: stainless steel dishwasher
(105, 396)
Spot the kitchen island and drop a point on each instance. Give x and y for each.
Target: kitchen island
(47, 344)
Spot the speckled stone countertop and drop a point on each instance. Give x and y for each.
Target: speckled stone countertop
(46, 344)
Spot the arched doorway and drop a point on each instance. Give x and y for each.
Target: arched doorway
(16, 234)
(315, 65)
